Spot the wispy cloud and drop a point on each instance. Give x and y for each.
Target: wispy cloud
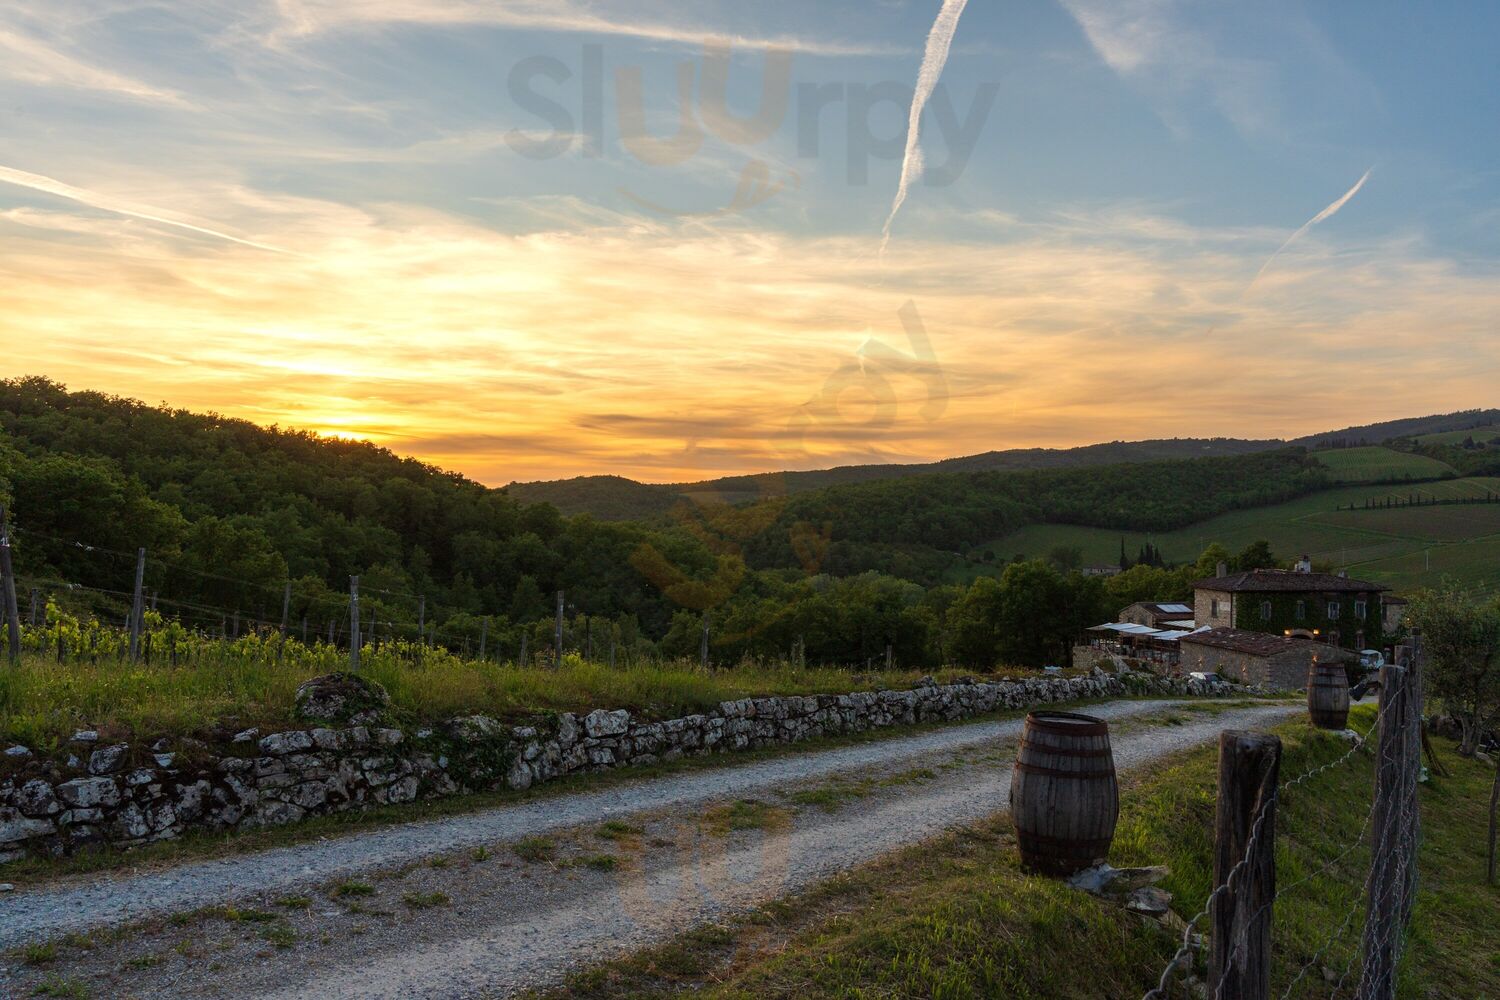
(310, 17)
(420, 329)
(107, 203)
(27, 59)
(1154, 43)
(939, 42)
(1322, 216)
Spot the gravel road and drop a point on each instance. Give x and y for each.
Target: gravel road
(513, 926)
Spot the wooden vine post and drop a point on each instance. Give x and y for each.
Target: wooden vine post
(8, 579)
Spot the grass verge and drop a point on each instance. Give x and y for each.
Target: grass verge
(956, 918)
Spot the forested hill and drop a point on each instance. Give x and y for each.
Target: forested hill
(229, 511)
(616, 498)
(911, 526)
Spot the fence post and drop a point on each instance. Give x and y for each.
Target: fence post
(422, 618)
(703, 644)
(521, 661)
(484, 634)
(136, 606)
(354, 623)
(1240, 962)
(8, 578)
(1394, 822)
(557, 636)
(286, 606)
(1412, 736)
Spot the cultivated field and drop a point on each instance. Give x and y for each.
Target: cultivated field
(1404, 548)
(1380, 465)
(1479, 434)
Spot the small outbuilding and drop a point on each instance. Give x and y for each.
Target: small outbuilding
(1275, 661)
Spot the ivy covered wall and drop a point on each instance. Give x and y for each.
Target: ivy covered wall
(1249, 615)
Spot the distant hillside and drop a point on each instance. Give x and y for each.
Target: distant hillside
(1409, 427)
(614, 498)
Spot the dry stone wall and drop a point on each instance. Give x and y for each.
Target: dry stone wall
(125, 795)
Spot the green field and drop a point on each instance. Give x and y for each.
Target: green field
(1380, 465)
(1404, 548)
(1479, 434)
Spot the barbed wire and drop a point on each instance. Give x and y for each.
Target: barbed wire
(1266, 808)
(1361, 742)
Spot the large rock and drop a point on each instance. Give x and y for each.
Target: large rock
(85, 793)
(281, 744)
(605, 723)
(109, 759)
(14, 827)
(342, 697)
(36, 798)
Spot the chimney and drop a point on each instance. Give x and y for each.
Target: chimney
(1223, 568)
(1304, 565)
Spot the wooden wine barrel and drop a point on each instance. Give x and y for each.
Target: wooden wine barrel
(1064, 799)
(1328, 695)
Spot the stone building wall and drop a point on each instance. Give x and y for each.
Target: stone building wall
(125, 795)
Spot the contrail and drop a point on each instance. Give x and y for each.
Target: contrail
(47, 185)
(1322, 216)
(936, 57)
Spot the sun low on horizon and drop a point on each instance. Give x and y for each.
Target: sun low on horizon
(539, 239)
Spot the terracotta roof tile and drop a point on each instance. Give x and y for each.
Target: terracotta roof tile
(1258, 581)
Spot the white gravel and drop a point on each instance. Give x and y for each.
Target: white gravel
(543, 934)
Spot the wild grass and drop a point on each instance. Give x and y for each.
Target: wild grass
(744, 814)
(535, 849)
(228, 685)
(425, 900)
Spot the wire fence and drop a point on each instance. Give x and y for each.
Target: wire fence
(1241, 947)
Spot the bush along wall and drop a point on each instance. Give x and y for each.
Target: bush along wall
(122, 795)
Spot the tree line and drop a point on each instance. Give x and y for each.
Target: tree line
(231, 512)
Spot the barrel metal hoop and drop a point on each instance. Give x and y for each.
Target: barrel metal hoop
(1064, 751)
(1055, 772)
(1074, 845)
(1077, 725)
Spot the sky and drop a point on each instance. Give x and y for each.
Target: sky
(535, 239)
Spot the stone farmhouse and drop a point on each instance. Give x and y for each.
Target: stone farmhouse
(1325, 607)
(1263, 626)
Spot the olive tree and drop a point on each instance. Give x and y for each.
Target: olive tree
(1461, 636)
